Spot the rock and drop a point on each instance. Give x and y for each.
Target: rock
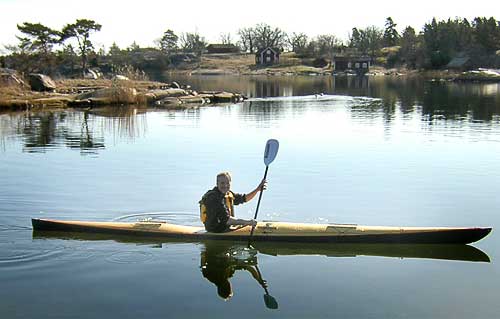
(91, 75)
(193, 100)
(121, 78)
(9, 71)
(221, 97)
(11, 79)
(168, 101)
(320, 63)
(175, 85)
(41, 83)
(155, 95)
(113, 95)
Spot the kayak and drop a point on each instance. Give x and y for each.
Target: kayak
(277, 231)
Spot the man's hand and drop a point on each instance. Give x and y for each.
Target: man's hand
(262, 185)
(252, 222)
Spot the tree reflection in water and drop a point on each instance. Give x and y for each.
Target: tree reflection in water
(41, 131)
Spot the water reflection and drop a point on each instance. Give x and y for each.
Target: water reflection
(434, 99)
(86, 131)
(219, 262)
(237, 251)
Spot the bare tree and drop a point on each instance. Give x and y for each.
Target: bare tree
(225, 38)
(267, 36)
(298, 42)
(247, 39)
(327, 44)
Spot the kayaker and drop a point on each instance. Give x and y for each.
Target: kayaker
(217, 205)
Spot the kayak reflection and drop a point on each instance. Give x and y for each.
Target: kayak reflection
(219, 262)
(427, 251)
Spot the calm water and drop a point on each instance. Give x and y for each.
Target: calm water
(369, 151)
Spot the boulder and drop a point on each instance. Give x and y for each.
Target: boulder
(113, 95)
(156, 95)
(11, 79)
(41, 83)
(91, 75)
(175, 85)
(121, 78)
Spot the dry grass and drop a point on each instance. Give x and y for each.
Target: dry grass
(244, 63)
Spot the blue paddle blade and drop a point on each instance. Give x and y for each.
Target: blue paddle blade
(271, 151)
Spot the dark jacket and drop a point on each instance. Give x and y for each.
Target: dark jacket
(220, 208)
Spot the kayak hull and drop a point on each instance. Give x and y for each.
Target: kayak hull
(278, 232)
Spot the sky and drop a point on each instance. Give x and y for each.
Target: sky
(124, 22)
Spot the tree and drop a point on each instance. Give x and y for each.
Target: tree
(225, 38)
(355, 38)
(409, 42)
(193, 42)
(81, 30)
(267, 36)
(38, 37)
(327, 44)
(67, 59)
(168, 43)
(391, 35)
(36, 47)
(298, 42)
(487, 33)
(368, 40)
(117, 56)
(247, 39)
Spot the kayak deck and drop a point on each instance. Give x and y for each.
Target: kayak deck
(278, 231)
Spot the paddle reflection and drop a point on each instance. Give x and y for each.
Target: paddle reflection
(220, 261)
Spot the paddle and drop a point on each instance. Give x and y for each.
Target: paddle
(270, 153)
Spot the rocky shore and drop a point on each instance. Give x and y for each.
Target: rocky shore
(39, 91)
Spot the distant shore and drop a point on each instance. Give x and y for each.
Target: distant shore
(86, 93)
(291, 65)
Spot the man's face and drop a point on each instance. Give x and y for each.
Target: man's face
(223, 184)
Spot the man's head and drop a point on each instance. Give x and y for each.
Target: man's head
(224, 182)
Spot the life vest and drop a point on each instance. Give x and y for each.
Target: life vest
(228, 200)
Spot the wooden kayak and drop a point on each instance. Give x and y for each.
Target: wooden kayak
(277, 231)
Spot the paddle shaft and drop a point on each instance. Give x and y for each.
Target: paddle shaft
(258, 204)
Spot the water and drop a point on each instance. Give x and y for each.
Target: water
(372, 151)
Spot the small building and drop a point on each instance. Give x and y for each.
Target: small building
(267, 56)
(222, 48)
(357, 64)
(461, 63)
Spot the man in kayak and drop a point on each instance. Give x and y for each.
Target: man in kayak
(217, 205)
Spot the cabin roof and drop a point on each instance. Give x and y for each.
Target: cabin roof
(275, 50)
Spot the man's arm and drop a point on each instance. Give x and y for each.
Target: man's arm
(251, 195)
(242, 222)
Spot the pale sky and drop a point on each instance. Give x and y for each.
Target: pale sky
(145, 21)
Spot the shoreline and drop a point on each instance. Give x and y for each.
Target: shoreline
(80, 93)
(83, 93)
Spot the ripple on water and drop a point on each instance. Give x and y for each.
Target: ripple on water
(77, 254)
(130, 257)
(14, 253)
